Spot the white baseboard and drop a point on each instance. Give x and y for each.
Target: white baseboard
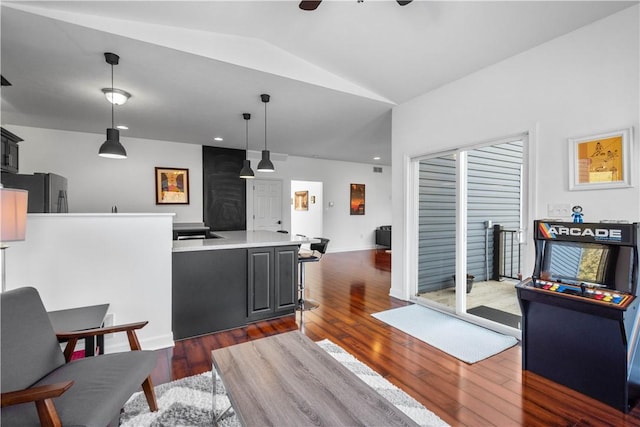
(397, 293)
(151, 343)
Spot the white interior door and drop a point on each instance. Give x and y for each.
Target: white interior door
(267, 204)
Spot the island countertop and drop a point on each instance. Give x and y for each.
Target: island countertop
(239, 239)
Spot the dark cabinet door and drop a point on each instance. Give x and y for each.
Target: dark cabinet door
(271, 281)
(10, 151)
(260, 282)
(286, 274)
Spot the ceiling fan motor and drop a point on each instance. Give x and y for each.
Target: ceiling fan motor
(313, 5)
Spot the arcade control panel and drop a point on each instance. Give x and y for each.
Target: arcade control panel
(585, 292)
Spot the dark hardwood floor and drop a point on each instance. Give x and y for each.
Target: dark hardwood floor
(350, 287)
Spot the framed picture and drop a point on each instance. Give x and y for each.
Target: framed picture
(301, 202)
(600, 161)
(172, 186)
(356, 205)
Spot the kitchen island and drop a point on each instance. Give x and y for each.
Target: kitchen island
(231, 279)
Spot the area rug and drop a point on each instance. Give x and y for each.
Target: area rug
(463, 340)
(188, 401)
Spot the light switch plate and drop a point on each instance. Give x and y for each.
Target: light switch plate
(559, 210)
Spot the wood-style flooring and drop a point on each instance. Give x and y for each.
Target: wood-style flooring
(350, 287)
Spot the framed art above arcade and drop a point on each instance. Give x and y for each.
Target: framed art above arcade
(601, 161)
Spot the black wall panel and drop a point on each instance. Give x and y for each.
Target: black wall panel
(224, 198)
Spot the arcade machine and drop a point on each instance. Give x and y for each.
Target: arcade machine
(580, 309)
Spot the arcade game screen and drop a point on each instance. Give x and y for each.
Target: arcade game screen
(592, 264)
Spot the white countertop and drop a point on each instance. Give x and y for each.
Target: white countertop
(238, 240)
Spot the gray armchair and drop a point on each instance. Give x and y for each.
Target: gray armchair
(40, 386)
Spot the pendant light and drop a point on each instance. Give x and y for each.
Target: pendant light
(112, 148)
(246, 172)
(265, 164)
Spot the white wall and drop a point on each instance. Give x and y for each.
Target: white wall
(583, 83)
(84, 259)
(346, 232)
(307, 222)
(96, 184)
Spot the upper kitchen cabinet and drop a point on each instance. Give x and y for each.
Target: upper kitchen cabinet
(9, 151)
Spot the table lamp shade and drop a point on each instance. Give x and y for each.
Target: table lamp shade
(13, 211)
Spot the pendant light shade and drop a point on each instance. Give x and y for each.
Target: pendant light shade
(265, 164)
(112, 148)
(246, 172)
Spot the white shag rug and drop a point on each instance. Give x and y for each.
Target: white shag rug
(189, 401)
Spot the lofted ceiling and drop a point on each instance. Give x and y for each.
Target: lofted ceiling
(334, 74)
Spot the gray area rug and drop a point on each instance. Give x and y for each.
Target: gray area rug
(189, 401)
(463, 340)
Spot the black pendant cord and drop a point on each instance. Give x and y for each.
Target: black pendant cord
(265, 125)
(247, 137)
(112, 114)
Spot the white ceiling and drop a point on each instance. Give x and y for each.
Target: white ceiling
(333, 74)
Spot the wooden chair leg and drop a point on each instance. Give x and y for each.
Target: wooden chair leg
(47, 413)
(147, 385)
(150, 394)
(134, 344)
(70, 347)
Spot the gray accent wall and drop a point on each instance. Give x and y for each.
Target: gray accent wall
(494, 193)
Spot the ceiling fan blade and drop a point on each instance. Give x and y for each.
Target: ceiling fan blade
(309, 5)
(404, 2)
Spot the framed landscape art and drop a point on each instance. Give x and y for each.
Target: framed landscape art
(356, 204)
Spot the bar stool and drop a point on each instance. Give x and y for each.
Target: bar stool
(317, 250)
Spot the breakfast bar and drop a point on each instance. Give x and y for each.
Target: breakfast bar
(231, 279)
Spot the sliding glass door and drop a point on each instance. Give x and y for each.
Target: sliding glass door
(469, 220)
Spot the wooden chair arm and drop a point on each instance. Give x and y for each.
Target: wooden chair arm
(42, 396)
(100, 331)
(35, 393)
(73, 337)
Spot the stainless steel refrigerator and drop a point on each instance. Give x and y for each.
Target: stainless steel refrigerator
(47, 191)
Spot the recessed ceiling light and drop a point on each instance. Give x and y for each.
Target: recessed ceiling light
(376, 158)
(123, 127)
(218, 138)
